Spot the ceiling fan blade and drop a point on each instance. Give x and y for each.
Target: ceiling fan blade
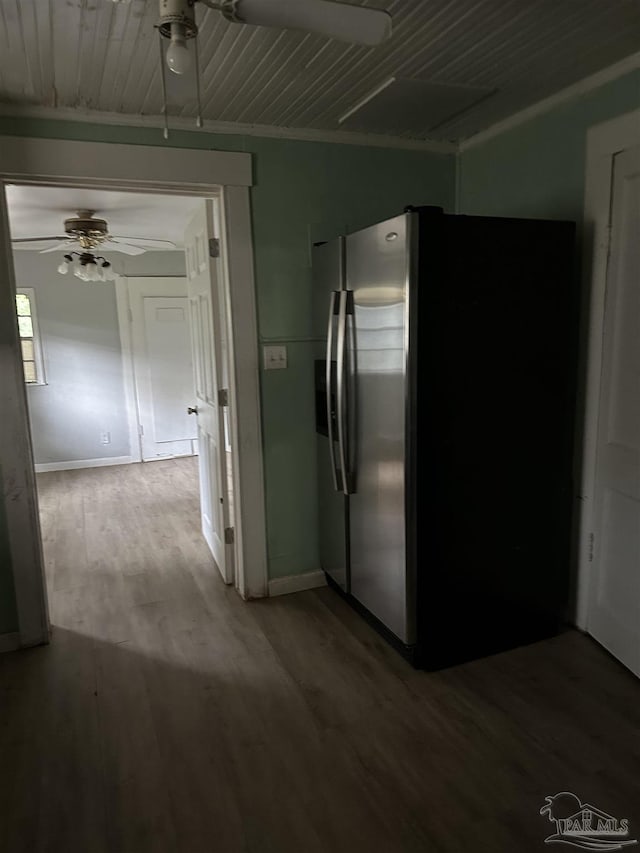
(36, 239)
(125, 248)
(68, 244)
(144, 242)
(28, 244)
(32, 247)
(340, 21)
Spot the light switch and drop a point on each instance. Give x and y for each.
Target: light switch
(275, 358)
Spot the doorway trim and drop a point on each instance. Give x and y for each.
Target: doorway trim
(604, 141)
(136, 168)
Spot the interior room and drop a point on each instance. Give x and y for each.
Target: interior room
(319, 443)
(61, 437)
(113, 376)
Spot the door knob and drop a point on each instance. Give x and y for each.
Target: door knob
(192, 410)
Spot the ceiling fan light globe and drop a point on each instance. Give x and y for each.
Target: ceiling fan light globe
(63, 269)
(178, 56)
(178, 59)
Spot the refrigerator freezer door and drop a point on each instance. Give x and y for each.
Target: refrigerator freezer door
(328, 278)
(332, 508)
(377, 273)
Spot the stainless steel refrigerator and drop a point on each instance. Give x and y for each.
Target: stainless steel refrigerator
(448, 351)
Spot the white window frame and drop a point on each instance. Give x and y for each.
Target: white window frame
(134, 168)
(30, 293)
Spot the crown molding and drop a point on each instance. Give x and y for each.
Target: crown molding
(179, 123)
(576, 90)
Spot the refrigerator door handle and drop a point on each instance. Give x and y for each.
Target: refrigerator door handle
(335, 471)
(342, 403)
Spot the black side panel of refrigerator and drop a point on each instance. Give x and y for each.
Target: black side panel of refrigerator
(497, 332)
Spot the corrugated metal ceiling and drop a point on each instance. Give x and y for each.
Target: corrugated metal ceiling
(100, 55)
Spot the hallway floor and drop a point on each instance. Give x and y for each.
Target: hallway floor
(168, 715)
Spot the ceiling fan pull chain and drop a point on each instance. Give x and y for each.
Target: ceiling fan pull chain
(165, 131)
(199, 115)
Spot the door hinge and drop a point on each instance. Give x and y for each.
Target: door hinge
(229, 536)
(130, 315)
(214, 247)
(223, 397)
(591, 541)
(140, 429)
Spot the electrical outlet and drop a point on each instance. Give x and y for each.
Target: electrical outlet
(105, 438)
(275, 358)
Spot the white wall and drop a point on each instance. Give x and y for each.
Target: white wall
(84, 394)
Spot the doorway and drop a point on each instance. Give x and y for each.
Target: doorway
(136, 168)
(609, 570)
(171, 352)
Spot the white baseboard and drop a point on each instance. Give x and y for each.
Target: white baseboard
(9, 642)
(296, 583)
(42, 467)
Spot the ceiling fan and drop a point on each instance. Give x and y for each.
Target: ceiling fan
(88, 233)
(342, 21)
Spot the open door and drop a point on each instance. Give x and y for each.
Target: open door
(614, 608)
(211, 396)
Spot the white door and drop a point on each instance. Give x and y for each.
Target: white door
(614, 606)
(203, 283)
(163, 367)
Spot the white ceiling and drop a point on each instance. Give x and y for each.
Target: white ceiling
(100, 55)
(40, 212)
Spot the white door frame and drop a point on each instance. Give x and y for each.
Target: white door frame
(136, 168)
(604, 141)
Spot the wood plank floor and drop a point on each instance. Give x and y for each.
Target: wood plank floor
(168, 715)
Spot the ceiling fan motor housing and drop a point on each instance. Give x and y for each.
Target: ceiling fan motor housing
(178, 12)
(84, 225)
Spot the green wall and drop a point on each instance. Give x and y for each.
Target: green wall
(303, 191)
(537, 169)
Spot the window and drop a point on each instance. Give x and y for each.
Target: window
(29, 337)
